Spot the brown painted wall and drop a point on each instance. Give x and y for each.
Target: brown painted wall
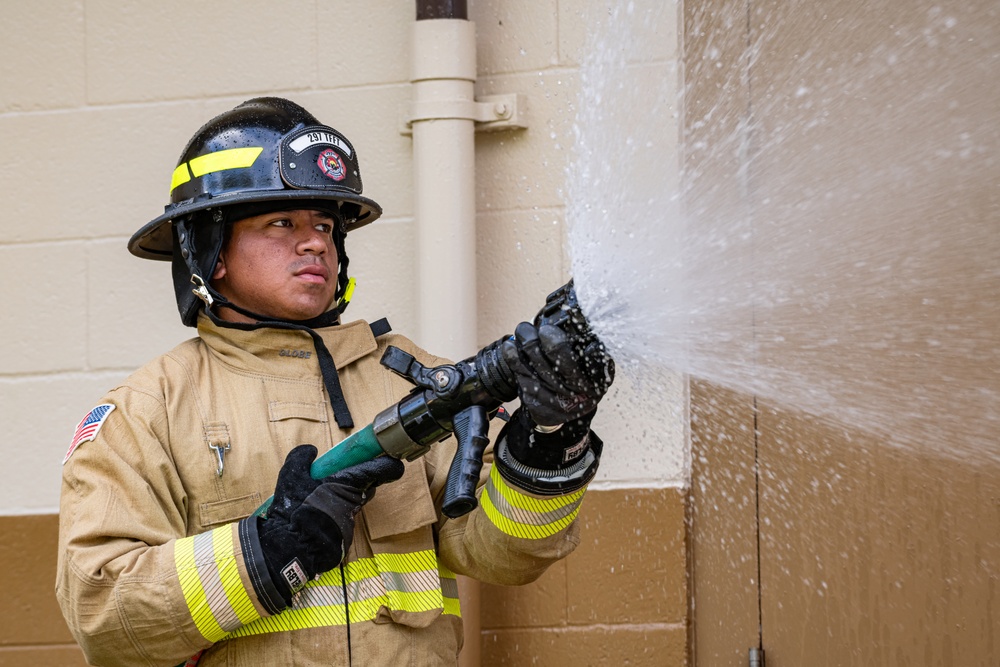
(873, 554)
(877, 538)
(723, 527)
(621, 598)
(33, 631)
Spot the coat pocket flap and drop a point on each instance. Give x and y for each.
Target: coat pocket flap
(227, 511)
(402, 506)
(279, 410)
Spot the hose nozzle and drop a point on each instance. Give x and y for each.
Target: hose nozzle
(562, 309)
(460, 398)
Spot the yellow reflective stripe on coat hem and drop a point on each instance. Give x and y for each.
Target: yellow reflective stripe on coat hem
(411, 582)
(211, 585)
(519, 515)
(449, 591)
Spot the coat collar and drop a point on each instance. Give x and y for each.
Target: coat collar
(261, 348)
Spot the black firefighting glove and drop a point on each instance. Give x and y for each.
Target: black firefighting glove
(557, 384)
(310, 524)
(555, 450)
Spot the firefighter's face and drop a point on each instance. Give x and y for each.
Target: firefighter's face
(282, 265)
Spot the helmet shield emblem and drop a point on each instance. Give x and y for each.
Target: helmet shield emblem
(330, 164)
(319, 158)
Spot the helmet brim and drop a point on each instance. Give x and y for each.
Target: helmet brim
(155, 240)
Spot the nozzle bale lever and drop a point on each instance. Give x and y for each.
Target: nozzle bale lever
(459, 398)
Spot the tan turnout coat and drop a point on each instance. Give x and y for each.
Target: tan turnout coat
(151, 568)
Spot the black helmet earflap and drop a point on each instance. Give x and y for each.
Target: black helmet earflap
(198, 241)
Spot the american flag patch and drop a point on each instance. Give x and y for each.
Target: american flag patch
(88, 427)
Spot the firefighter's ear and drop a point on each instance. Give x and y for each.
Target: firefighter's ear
(220, 268)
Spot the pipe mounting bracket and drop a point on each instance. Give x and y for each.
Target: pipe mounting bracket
(491, 113)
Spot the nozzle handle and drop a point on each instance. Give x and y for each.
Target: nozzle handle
(472, 431)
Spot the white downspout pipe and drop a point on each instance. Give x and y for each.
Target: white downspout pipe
(443, 126)
(442, 118)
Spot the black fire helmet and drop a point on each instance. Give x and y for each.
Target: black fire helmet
(266, 154)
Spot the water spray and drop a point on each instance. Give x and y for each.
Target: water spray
(459, 398)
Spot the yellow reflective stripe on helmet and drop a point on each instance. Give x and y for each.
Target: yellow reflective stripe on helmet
(181, 176)
(210, 581)
(411, 582)
(231, 158)
(348, 292)
(517, 514)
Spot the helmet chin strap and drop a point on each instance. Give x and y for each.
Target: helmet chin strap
(213, 300)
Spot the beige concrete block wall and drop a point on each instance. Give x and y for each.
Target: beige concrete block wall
(97, 100)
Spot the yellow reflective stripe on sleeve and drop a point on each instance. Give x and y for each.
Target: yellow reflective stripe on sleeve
(517, 514)
(411, 582)
(210, 581)
(181, 176)
(194, 594)
(231, 158)
(229, 574)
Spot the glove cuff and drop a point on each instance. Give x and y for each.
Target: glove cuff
(548, 464)
(545, 448)
(274, 598)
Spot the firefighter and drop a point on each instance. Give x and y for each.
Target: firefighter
(162, 559)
